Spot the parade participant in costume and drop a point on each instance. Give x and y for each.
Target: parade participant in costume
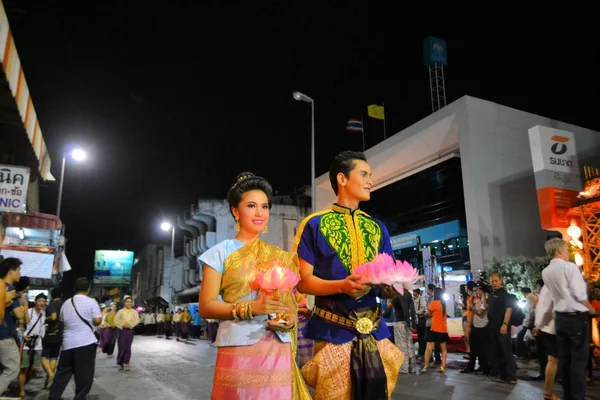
(168, 324)
(102, 327)
(353, 357)
(126, 320)
(255, 356)
(160, 323)
(110, 331)
(186, 318)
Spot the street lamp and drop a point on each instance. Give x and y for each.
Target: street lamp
(78, 155)
(313, 194)
(165, 226)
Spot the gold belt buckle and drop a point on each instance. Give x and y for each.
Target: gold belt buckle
(365, 326)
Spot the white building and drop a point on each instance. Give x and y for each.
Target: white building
(492, 143)
(211, 222)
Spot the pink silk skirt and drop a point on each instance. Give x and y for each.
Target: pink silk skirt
(261, 371)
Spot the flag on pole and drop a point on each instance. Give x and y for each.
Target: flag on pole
(355, 125)
(376, 111)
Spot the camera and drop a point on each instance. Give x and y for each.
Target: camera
(32, 342)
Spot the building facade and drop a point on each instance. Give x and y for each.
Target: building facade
(490, 142)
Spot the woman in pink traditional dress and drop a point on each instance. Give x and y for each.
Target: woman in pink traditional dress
(255, 356)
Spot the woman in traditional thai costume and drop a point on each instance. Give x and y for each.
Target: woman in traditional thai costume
(184, 325)
(160, 323)
(168, 324)
(177, 323)
(126, 320)
(305, 346)
(110, 331)
(102, 327)
(255, 356)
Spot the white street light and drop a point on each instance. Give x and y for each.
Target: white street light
(313, 193)
(165, 226)
(78, 155)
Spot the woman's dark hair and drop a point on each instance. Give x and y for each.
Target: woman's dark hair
(438, 294)
(344, 163)
(247, 181)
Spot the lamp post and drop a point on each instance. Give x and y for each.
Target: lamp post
(313, 193)
(165, 226)
(78, 155)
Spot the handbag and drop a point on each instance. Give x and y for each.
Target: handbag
(95, 332)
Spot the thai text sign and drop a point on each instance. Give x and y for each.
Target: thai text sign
(14, 182)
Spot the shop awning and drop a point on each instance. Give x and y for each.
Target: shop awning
(17, 114)
(31, 220)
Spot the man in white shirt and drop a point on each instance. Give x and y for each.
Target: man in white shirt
(420, 309)
(33, 334)
(572, 311)
(545, 328)
(80, 315)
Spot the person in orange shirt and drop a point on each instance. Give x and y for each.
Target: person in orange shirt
(439, 329)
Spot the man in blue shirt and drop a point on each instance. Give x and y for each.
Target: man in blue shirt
(10, 273)
(197, 321)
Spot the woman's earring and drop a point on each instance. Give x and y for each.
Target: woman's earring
(236, 226)
(266, 229)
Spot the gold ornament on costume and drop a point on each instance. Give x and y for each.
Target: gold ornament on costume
(365, 326)
(266, 229)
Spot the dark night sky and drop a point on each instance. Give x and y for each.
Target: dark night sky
(173, 99)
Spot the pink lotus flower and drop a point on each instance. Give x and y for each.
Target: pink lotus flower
(384, 269)
(276, 278)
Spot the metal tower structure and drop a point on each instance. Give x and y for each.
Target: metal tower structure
(437, 87)
(435, 58)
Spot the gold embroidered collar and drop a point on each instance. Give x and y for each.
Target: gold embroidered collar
(343, 210)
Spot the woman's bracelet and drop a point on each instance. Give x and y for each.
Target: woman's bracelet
(234, 311)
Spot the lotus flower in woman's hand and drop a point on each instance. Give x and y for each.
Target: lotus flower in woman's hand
(278, 278)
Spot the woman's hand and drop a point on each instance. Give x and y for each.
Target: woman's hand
(304, 311)
(290, 322)
(268, 304)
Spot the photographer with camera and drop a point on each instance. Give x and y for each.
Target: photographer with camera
(31, 355)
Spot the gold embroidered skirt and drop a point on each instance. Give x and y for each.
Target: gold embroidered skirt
(329, 370)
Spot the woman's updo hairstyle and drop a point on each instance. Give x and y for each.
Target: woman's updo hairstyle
(247, 181)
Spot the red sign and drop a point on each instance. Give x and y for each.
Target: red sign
(554, 207)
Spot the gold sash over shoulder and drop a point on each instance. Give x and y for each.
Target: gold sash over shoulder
(241, 268)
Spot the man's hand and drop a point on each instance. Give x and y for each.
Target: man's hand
(536, 332)
(352, 286)
(503, 330)
(387, 291)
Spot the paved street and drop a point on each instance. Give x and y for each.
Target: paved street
(164, 369)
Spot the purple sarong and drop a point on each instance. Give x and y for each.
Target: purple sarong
(110, 338)
(125, 341)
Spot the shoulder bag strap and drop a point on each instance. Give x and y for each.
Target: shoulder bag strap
(36, 322)
(79, 315)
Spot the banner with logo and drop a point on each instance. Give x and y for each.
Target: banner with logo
(557, 177)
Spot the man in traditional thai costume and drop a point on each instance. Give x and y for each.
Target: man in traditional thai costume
(353, 357)
(160, 323)
(255, 356)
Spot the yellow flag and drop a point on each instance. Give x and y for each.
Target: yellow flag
(376, 111)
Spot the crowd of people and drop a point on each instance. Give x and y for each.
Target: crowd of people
(274, 345)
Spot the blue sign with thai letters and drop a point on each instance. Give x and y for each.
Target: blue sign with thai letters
(434, 52)
(439, 232)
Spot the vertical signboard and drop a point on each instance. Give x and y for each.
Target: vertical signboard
(557, 176)
(14, 182)
(434, 52)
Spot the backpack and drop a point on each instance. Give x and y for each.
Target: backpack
(518, 315)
